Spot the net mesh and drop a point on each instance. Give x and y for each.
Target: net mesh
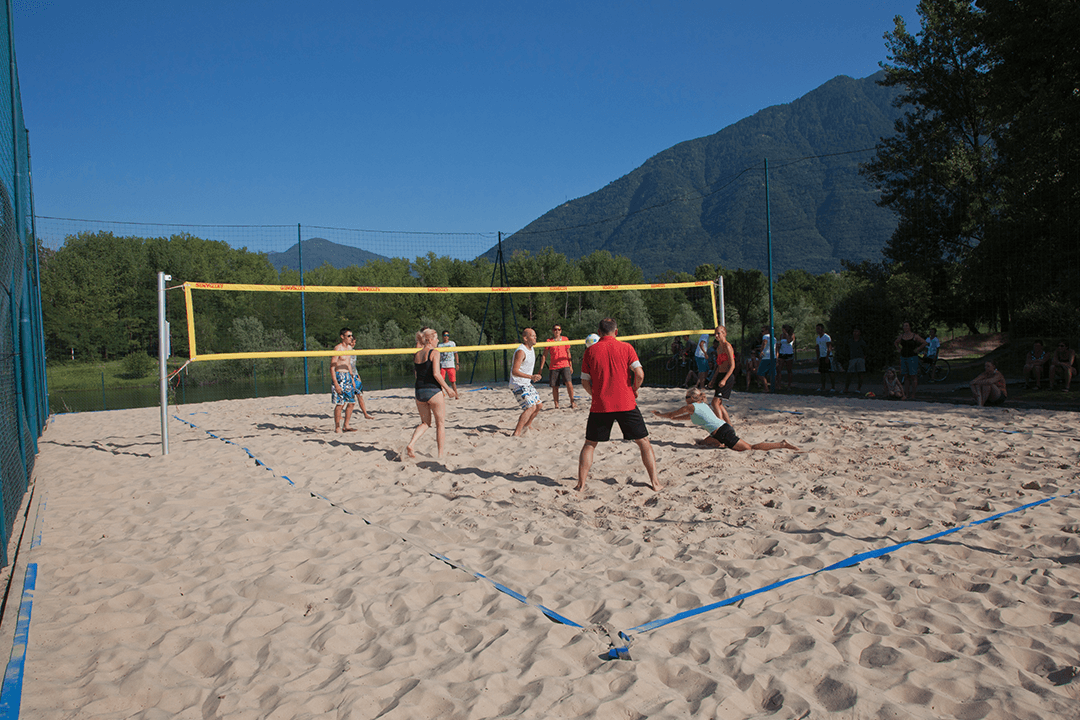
(480, 320)
(23, 406)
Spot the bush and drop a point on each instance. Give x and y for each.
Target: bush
(1047, 317)
(137, 365)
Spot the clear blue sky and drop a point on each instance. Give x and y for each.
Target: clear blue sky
(424, 116)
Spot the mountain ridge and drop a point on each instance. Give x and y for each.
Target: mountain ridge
(703, 200)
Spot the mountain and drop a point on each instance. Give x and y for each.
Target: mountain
(318, 252)
(703, 201)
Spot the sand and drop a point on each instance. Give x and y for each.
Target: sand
(203, 584)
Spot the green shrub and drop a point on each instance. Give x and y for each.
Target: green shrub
(137, 365)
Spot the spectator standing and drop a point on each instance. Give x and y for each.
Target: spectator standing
(701, 360)
(856, 359)
(767, 365)
(562, 367)
(448, 360)
(910, 345)
(933, 346)
(786, 355)
(824, 357)
(612, 374)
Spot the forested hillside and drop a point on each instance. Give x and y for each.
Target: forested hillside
(704, 200)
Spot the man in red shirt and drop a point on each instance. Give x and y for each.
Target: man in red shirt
(606, 372)
(562, 368)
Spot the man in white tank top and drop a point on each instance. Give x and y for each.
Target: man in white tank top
(522, 379)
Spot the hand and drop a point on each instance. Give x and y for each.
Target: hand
(536, 378)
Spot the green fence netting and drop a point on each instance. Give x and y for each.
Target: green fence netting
(23, 394)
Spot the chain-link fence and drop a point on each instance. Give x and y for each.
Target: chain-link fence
(23, 400)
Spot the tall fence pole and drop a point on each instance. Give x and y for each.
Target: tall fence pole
(303, 305)
(768, 243)
(163, 357)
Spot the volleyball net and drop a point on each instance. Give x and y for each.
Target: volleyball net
(644, 312)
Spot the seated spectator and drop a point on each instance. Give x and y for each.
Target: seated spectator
(1063, 362)
(894, 389)
(1035, 364)
(989, 387)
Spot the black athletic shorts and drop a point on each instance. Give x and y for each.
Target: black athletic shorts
(598, 428)
(724, 390)
(726, 436)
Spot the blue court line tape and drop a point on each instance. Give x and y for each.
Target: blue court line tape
(973, 427)
(845, 563)
(36, 540)
(551, 614)
(11, 691)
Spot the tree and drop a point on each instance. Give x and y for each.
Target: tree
(747, 292)
(937, 172)
(1036, 63)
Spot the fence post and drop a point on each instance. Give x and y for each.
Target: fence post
(255, 377)
(103, 391)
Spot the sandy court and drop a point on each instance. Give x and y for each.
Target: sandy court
(204, 584)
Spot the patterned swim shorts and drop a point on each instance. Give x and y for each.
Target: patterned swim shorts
(348, 383)
(525, 395)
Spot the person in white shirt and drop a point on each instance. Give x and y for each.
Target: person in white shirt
(824, 355)
(448, 360)
(522, 378)
(767, 365)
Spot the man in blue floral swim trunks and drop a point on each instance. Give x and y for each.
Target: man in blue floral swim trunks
(347, 389)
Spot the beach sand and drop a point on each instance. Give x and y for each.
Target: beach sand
(203, 584)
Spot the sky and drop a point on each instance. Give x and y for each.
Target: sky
(421, 116)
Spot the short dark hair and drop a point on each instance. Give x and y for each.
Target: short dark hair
(343, 331)
(608, 326)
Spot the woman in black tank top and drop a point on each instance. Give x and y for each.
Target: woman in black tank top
(431, 391)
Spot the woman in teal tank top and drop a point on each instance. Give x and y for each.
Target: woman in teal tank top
(721, 434)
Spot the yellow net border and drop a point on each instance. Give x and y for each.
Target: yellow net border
(363, 289)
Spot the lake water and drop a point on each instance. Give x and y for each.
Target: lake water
(380, 378)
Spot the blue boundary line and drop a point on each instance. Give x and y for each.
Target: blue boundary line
(621, 651)
(845, 563)
(551, 614)
(11, 692)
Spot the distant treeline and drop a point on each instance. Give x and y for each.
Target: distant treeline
(100, 300)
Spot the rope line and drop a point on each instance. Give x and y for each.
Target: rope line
(620, 649)
(548, 612)
(845, 563)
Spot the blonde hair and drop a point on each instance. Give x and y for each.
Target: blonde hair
(424, 332)
(695, 394)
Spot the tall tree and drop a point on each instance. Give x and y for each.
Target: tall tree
(1035, 49)
(937, 172)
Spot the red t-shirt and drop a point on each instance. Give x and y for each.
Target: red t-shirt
(608, 363)
(558, 355)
